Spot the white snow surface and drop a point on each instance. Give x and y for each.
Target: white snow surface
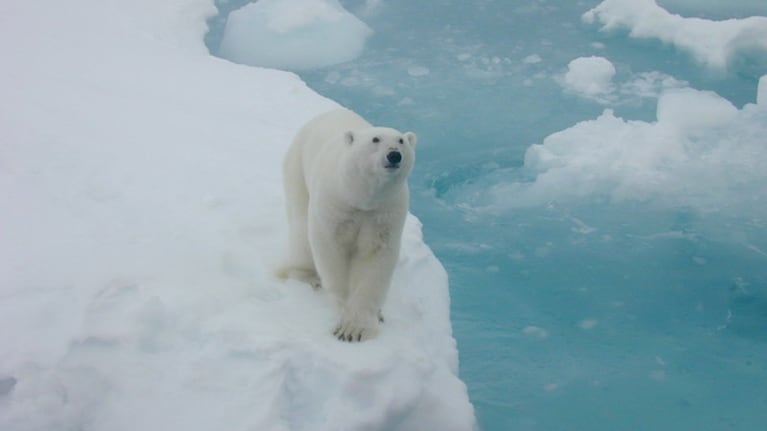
(715, 44)
(293, 34)
(142, 214)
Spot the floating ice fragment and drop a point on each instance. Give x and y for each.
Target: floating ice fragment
(761, 92)
(588, 324)
(293, 34)
(590, 75)
(532, 59)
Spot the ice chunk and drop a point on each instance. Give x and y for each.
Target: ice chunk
(293, 34)
(713, 43)
(532, 59)
(590, 76)
(761, 93)
(692, 111)
(701, 152)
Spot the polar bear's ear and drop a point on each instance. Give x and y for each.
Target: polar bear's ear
(412, 139)
(349, 137)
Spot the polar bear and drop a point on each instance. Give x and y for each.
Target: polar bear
(347, 198)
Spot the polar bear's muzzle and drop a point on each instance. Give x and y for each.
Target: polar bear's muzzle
(393, 159)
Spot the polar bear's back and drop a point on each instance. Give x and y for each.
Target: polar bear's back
(330, 126)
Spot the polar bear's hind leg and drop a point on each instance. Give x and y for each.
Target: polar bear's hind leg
(299, 264)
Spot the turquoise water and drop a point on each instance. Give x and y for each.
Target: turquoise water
(592, 315)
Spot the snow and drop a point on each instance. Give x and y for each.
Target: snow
(716, 44)
(589, 76)
(702, 152)
(293, 34)
(142, 218)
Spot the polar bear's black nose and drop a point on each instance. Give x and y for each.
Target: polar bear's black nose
(394, 157)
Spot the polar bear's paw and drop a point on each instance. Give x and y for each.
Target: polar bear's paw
(357, 328)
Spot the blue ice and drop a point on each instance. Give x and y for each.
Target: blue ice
(609, 277)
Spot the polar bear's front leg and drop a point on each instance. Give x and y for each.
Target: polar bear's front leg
(369, 279)
(330, 258)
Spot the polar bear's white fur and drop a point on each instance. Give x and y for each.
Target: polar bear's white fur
(347, 198)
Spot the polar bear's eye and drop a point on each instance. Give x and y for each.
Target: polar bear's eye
(401, 141)
(376, 140)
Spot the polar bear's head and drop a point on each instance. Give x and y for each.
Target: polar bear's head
(382, 151)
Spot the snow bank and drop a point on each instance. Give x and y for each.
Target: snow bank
(702, 152)
(142, 216)
(715, 44)
(590, 76)
(293, 34)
